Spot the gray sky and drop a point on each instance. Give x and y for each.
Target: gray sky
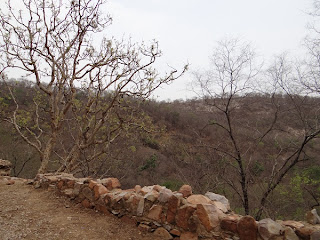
(188, 30)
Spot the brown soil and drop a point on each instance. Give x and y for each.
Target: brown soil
(28, 213)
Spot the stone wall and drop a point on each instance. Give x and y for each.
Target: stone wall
(174, 215)
(5, 167)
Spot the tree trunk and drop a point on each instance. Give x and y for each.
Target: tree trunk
(45, 156)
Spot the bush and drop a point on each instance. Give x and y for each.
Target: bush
(150, 162)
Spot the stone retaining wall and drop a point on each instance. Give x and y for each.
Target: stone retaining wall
(5, 167)
(174, 215)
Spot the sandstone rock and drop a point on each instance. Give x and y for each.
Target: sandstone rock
(219, 198)
(146, 189)
(99, 189)
(125, 195)
(92, 184)
(60, 184)
(155, 213)
(152, 196)
(289, 234)
(183, 215)
(198, 199)
(208, 216)
(175, 232)
(186, 190)
(140, 207)
(312, 217)
(173, 204)
(52, 179)
(144, 228)
(86, 203)
(304, 232)
(162, 233)
(137, 188)
(269, 229)
(292, 224)
(5, 167)
(102, 208)
(87, 193)
(111, 183)
(132, 203)
(315, 236)
(77, 188)
(68, 192)
(158, 188)
(229, 223)
(188, 236)
(164, 195)
(247, 228)
(220, 206)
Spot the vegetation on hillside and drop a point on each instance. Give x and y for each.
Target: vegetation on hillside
(252, 135)
(179, 144)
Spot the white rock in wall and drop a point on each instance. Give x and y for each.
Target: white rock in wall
(219, 198)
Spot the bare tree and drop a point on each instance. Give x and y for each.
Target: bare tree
(258, 142)
(231, 76)
(55, 42)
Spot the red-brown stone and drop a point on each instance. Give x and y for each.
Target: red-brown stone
(86, 203)
(229, 223)
(247, 228)
(70, 183)
(198, 199)
(111, 183)
(208, 216)
(155, 213)
(162, 233)
(183, 215)
(60, 184)
(173, 204)
(304, 233)
(99, 189)
(186, 190)
(188, 236)
(175, 232)
(92, 184)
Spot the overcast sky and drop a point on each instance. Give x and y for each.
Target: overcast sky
(187, 30)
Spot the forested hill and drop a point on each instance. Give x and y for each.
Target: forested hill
(263, 148)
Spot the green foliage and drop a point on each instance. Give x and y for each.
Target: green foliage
(172, 184)
(23, 118)
(151, 142)
(133, 148)
(150, 163)
(257, 168)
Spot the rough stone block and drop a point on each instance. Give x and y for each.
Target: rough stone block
(183, 216)
(247, 228)
(186, 191)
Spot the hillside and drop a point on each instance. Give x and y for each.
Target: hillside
(172, 143)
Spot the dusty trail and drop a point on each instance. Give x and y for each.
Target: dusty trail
(28, 213)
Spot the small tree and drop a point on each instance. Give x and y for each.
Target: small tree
(56, 44)
(233, 71)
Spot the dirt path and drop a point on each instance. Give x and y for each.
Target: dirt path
(28, 213)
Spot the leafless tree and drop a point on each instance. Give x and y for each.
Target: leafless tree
(231, 76)
(55, 43)
(226, 89)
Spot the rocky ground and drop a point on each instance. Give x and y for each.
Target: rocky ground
(28, 213)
